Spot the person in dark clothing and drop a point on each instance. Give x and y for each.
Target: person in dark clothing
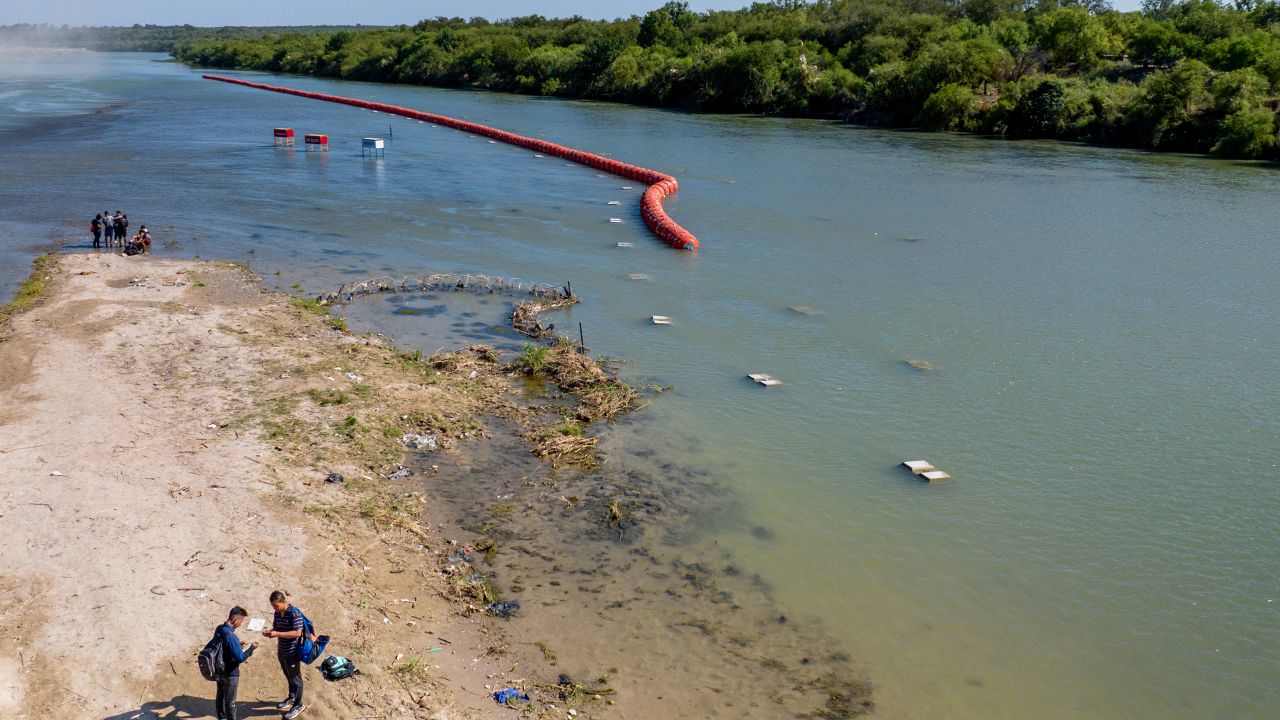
(122, 225)
(233, 654)
(96, 227)
(287, 626)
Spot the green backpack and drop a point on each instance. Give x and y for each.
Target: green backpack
(336, 667)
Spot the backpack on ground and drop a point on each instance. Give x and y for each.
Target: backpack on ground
(336, 667)
(308, 649)
(212, 664)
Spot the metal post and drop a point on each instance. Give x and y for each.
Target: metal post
(582, 343)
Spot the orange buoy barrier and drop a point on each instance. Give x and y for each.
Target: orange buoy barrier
(660, 185)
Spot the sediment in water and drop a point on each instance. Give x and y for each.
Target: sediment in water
(619, 549)
(251, 399)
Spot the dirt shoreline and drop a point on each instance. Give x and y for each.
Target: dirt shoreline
(164, 448)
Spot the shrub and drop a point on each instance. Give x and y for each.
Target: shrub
(1038, 112)
(950, 108)
(1247, 134)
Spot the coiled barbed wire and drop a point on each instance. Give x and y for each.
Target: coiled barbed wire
(449, 282)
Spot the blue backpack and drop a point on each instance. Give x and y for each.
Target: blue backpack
(308, 649)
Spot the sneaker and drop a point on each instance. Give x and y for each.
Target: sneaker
(295, 712)
(285, 706)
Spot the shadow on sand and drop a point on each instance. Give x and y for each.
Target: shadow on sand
(187, 706)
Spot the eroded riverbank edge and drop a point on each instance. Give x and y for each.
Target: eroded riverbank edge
(164, 455)
(252, 398)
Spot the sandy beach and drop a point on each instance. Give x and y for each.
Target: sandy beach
(164, 447)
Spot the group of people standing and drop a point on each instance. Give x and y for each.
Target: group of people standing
(287, 626)
(114, 229)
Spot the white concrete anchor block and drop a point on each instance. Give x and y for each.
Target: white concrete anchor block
(918, 466)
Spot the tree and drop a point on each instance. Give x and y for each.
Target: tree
(1238, 90)
(1247, 134)
(1071, 38)
(950, 108)
(984, 12)
(1156, 42)
(1014, 35)
(1038, 113)
(666, 25)
(1240, 51)
(1169, 100)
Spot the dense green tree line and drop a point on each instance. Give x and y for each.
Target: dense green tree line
(1181, 75)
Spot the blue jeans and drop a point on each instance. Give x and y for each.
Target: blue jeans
(225, 703)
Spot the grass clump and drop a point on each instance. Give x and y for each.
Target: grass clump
(488, 547)
(572, 693)
(600, 395)
(615, 513)
(547, 653)
(287, 429)
(569, 429)
(315, 308)
(383, 509)
(533, 359)
(284, 405)
(327, 397)
(566, 449)
(413, 668)
(348, 427)
(309, 305)
(323, 510)
(31, 289)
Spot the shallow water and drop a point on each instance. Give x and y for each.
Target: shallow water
(1102, 324)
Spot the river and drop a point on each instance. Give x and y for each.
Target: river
(1102, 327)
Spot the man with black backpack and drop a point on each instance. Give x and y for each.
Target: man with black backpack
(290, 627)
(222, 658)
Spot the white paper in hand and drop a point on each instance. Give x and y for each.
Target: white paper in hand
(256, 624)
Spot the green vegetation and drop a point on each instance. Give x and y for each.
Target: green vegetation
(547, 653)
(413, 669)
(324, 510)
(348, 427)
(316, 308)
(1189, 75)
(327, 396)
(533, 358)
(31, 289)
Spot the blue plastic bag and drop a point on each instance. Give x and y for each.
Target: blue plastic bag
(506, 696)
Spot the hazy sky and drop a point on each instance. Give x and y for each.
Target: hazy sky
(313, 12)
(325, 12)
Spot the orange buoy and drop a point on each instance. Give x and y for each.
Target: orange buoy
(660, 185)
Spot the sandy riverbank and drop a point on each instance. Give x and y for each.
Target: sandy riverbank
(167, 431)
